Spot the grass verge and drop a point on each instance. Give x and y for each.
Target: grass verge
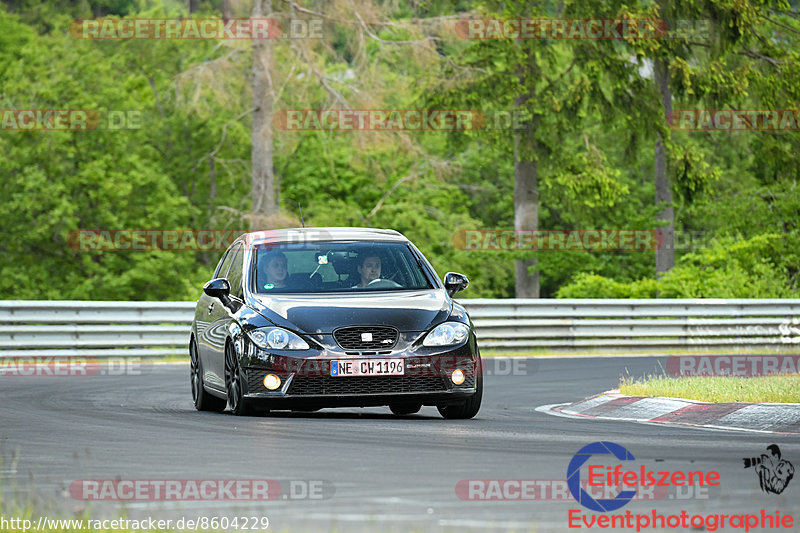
(771, 389)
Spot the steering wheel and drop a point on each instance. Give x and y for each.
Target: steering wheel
(382, 283)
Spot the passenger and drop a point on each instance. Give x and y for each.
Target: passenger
(276, 271)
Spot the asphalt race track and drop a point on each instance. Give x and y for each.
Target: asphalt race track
(369, 470)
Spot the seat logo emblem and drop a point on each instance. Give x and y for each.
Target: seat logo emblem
(366, 337)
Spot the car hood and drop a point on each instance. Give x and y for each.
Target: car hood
(316, 313)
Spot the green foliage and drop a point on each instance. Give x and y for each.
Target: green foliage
(590, 285)
(589, 181)
(592, 105)
(730, 267)
(57, 182)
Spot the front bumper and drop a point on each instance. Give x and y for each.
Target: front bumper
(308, 381)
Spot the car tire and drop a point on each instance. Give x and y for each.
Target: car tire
(234, 384)
(469, 407)
(203, 401)
(403, 409)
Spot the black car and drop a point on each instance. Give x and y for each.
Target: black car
(308, 318)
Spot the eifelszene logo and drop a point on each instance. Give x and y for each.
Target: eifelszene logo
(616, 477)
(609, 468)
(774, 473)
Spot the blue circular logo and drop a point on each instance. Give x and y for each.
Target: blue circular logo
(574, 476)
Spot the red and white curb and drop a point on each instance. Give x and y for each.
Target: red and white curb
(755, 417)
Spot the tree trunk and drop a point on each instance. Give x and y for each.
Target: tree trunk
(263, 176)
(665, 254)
(227, 12)
(526, 204)
(526, 185)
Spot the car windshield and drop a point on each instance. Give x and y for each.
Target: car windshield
(321, 267)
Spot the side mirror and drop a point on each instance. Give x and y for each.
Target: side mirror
(455, 282)
(219, 288)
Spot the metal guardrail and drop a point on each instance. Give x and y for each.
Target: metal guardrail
(683, 324)
(94, 329)
(135, 329)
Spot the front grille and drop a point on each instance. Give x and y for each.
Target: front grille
(305, 386)
(352, 338)
(255, 380)
(469, 383)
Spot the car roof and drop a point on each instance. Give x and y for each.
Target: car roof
(323, 234)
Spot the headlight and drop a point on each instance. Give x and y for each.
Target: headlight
(447, 334)
(277, 339)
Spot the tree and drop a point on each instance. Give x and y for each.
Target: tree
(537, 82)
(265, 206)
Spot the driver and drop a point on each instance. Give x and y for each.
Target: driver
(369, 269)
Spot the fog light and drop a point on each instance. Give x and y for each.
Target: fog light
(457, 376)
(272, 382)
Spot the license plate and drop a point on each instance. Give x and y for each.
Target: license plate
(368, 367)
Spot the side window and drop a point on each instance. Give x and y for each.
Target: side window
(235, 274)
(222, 267)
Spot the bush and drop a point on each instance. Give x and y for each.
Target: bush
(765, 266)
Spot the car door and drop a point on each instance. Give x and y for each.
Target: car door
(220, 317)
(201, 311)
(206, 313)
